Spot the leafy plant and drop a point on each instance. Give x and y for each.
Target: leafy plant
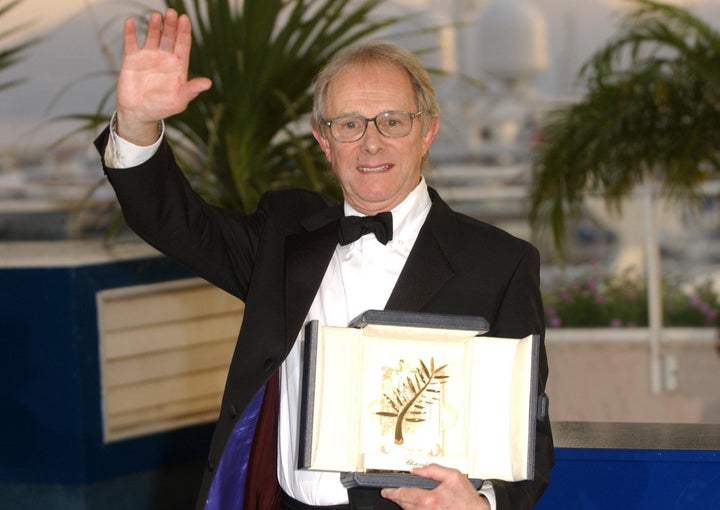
(244, 134)
(620, 300)
(651, 109)
(249, 133)
(11, 55)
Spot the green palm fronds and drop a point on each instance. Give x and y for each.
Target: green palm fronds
(13, 54)
(249, 132)
(652, 107)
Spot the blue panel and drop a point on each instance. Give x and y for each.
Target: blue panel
(148, 452)
(41, 429)
(595, 479)
(172, 488)
(51, 429)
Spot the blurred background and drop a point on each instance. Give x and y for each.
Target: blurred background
(113, 311)
(505, 65)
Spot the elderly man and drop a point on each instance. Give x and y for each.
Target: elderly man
(375, 117)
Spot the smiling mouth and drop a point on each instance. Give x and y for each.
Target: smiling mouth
(373, 169)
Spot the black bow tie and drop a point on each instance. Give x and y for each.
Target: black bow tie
(353, 228)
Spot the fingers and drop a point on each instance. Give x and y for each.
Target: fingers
(162, 32)
(169, 30)
(152, 36)
(195, 86)
(183, 40)
(436, 472)
(129, 37)
(406, 497)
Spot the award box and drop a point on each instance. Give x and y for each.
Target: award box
(396, 390)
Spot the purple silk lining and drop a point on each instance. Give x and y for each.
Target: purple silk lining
(228, 486)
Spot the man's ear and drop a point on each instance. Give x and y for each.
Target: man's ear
(322, 140)
(432, 130)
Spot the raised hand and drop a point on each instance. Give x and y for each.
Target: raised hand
(153, 83)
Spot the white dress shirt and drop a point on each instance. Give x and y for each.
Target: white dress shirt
(360, 277)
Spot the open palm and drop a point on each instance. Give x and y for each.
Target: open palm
(153, 83)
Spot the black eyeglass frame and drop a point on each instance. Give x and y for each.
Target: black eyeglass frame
(366, 121)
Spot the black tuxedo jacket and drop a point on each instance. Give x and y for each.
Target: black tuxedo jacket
(275, 258)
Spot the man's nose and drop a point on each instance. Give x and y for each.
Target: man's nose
(372, 140)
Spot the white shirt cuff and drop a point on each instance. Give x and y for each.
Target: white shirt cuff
(120, 153)
(487, 490)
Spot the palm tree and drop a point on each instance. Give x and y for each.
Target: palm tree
(10, 56)
(651, 111)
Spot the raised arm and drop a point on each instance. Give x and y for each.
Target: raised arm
(153, 82)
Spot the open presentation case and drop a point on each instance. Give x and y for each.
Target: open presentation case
(396, 390)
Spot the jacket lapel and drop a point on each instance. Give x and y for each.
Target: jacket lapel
(307, 256)
(428, 267)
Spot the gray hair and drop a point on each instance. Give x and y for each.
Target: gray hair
(377, 51)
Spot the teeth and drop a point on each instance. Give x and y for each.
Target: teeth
(374, 169)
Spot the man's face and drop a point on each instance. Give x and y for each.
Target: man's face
(376, 173)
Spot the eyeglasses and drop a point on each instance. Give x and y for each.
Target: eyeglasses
(350, 128)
